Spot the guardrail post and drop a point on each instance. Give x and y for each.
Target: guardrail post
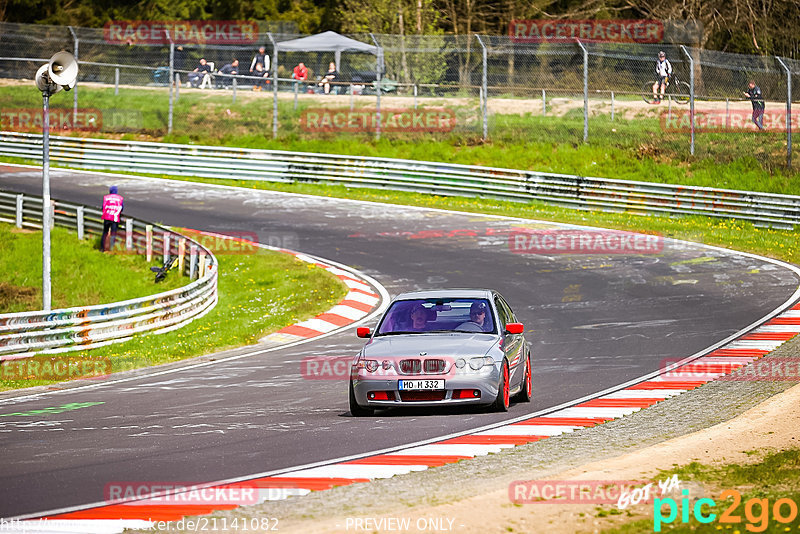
(585, 91)
(128, 233)
(203, 260)
(20, 200)
(691, 98)
(116, 81)
(181, 254)
(165, 243)
(148, 242)
(788, 112)
(192, 261)
(79, 217)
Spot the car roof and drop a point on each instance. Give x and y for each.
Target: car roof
(446, 293)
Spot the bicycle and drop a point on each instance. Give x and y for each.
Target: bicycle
(675, 90)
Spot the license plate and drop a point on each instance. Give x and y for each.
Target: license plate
(420, 384)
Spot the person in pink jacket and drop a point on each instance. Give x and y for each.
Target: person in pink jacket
(112, 211)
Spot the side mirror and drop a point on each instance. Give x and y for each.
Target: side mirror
(362, 331)
(515, 328)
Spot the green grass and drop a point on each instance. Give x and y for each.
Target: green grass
(258, 294)
(632, 149)
(80, 274)
(776, 475)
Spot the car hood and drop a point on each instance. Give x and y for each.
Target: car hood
(454, 345)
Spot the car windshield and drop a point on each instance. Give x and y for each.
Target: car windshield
(437, 315)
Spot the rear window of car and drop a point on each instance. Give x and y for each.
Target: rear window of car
(438, 315)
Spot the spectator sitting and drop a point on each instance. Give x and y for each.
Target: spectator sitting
(263, 78)
(228, 70)
(330, 77)
(300, 74)
(201, 75)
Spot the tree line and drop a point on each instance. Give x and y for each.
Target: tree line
(761, 27)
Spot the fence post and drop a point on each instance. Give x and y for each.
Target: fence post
(128, 233)
(484, 89)
(116, 81)
(274, 86)
(192, 261)
(177, 86)
(727, 114)
(296, 84)
(233, 85)
(171, 81)
(415, 96)
(585, 91)
(788, 112)
(691, 98)
(544, 103)
(74, 89)
(148, 242)
(378, 69)
(165, 243)
(612, 106)
(181, 254)
(20, 200)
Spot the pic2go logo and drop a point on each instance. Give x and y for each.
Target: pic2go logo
(756, 511)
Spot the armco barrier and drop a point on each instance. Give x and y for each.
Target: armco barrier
(427, 177)
(28, 333)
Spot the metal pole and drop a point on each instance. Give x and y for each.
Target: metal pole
(274, 86)
(116, 81)
(46, 201)
(177, 87)
(415, 96)
(788, 112)
(296, 84)
(74, 89)
(484, 89)
(727, 113)
(691, 98)
(544, 103)
(20, 200)
(585, 91)
(378, 68)
(171, 80)
(612, 106)
(233, 85)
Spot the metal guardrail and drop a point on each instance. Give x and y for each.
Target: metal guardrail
(25, 334)
(579, 192)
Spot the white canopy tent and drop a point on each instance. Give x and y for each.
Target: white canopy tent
(326, 42)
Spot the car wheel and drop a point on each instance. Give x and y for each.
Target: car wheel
(526, 393)
(357, 410)
(502, 400)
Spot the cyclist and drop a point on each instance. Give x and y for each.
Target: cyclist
(663, 71)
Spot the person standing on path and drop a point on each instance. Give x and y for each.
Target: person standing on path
(757, 99)
(112, 211)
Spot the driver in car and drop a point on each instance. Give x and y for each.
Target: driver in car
(477, 318)
(419, 318)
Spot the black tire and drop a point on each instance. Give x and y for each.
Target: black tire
(681, 92)
(526, 392)
(647, 92)
(355, 409)
(502, 401)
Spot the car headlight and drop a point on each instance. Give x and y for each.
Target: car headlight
(460, 363)
(478, 363)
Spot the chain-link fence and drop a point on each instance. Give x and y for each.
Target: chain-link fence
(489, 87)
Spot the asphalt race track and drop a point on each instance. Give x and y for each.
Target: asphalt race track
(594, 321)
